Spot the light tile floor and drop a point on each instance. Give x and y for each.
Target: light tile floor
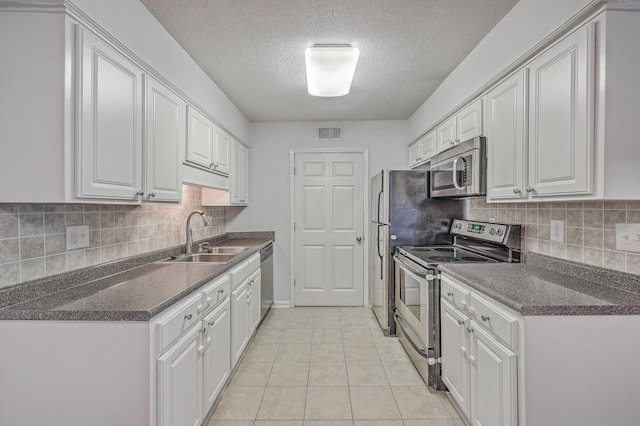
(328, 367)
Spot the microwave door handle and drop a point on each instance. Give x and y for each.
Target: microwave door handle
(455, 174)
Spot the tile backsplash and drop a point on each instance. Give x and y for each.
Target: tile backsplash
(33, 240)
(589, 231)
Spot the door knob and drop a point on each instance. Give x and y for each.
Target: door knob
(358, 239)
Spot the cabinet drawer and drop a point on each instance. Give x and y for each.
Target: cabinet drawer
(178, 320)
(215, 292)
(239, 274)
(453, 293)
(494, 319)
(254, 263)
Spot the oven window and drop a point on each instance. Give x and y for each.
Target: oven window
(410, 293)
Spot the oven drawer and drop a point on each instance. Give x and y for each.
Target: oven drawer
(494, 319)
(454, 294)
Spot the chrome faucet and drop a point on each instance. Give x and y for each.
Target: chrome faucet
(207, 222)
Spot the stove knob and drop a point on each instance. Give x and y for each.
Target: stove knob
(499, 232)
(492, 231)
(458, 225)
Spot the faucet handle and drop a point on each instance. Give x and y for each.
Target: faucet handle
(202, 246)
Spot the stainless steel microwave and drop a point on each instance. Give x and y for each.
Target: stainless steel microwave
(460, 171)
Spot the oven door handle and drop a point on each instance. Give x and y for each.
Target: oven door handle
(422, 273)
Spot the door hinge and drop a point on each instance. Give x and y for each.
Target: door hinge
(294, 283)
(294, 171)
(294, 226)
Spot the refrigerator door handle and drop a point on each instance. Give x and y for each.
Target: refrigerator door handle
(379, 199)
(379, 254)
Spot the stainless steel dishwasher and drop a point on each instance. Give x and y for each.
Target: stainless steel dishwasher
(266, 276)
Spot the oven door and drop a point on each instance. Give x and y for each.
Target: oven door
(414, 299)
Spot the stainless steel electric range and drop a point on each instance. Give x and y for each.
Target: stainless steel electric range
(417, 290)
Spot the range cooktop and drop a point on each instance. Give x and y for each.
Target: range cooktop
(442, 254)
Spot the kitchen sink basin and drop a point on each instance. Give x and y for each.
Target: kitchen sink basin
(203, 258)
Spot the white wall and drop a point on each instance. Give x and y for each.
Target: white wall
(137, 28)
(269, 176)
(521, 29)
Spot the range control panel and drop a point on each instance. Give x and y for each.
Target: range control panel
(494, 232)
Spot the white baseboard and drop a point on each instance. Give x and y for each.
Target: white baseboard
(281, 304)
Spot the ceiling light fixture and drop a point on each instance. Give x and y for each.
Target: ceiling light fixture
(330, 69)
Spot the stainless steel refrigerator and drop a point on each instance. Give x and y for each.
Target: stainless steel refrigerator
(402, 213)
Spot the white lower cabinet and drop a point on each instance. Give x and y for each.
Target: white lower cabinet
(455, 362)
(255, 289)
(479, 371)
(239, 322)
(493, 380)
(216, 356)
(179, 382)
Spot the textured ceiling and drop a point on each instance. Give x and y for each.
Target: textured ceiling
(254, 50)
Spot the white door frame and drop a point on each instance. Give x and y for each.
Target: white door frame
(365, 199)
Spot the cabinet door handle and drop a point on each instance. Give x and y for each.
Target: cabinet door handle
(152, 194)
(211, 323)
(529, 189)
(485, 317)
(470, 330)
(221, 291)
(140, 193)
(450, 294)
(517, 190)
(188, 317)
(460, 322)
(452, 143)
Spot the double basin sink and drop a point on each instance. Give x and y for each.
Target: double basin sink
(209, 255)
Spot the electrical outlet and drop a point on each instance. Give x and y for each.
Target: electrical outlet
(77, 237)
(628, 236)
(557, 230)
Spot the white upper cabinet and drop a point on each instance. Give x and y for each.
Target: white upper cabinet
(239, 175)
(469, 121)
(164, 142)
(109, 145)
(561, 147)
(208, 146)
(114, 161)
(506, 147)
(221, 151)
(199, 138)
(446, 134)
(464, 125)
(422, 150)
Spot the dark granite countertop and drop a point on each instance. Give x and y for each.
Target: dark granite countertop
(548, 286)
(133, 289)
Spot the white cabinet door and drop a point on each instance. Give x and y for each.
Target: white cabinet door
(109, 142)
(506, 139)
(469, 122)
(239, 321)
(164, 142)
(239, 174)
(561, 124)
(455, 350)
(179, 382)
(221, 151)
(414, 154)
(216, 359)
(427, 146)
(199, 139)
(446, 134)
(255, 290)
(493, 381)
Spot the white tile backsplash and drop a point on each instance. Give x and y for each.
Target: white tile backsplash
(33, 243)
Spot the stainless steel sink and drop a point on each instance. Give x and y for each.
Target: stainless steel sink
(203, 258)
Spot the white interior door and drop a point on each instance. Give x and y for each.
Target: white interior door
(329, 229)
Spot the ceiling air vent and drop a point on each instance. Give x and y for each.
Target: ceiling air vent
(330, 133)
